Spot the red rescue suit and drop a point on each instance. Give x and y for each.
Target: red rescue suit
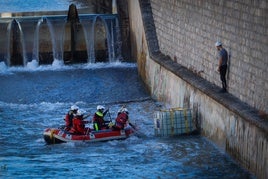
(121, 121)
(78, 125)
(69, 120)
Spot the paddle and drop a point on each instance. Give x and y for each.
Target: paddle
(84, 117)
(107, 122)
(134, 128)
(109, 115)
(132, 125)
(124, 106)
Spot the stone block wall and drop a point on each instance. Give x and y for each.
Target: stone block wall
(232, 124)
(188, 29)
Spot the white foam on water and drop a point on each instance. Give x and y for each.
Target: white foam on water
(42, 104)
(58, 65)
(109, 65)
(3, 67)
(33, 65)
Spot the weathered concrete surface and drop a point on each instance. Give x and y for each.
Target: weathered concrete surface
(223, 118)
(187, 31)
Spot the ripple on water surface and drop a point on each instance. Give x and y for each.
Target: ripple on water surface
(31, 101)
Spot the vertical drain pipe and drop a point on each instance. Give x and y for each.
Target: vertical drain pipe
(73, 19)
(114, 6)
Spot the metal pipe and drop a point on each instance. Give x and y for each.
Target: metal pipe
(114, 6)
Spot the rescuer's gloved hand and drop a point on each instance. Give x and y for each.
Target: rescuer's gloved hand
(111, 124)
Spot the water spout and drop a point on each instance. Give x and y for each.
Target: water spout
(16, 49)
(35, 55)
(109, 39)
(57, 29)
(21, 41)
(105, 29)
(42, 39)
(118, 42)
(88, 27)
(6, 51)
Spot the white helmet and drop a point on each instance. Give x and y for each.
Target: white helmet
(124, 110)
(218, 43)
(80, 112)
(74, 107)
(100, 107)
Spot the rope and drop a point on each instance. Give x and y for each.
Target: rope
(172, 121)
(52, 135)
(186, 121)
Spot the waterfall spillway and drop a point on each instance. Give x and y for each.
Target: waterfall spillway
(15, 44)
(102, 32)
(57, 30)
(5, 41)
(88, 24)
(35, 55)
(118, 41)
(109, 38)
(48, 38)
(28, 38)
(113, 37)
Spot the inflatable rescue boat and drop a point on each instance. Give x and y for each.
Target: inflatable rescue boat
(56, 136)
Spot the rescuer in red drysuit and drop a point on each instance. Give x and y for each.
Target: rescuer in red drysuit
(69, 117)
(78, 124)
(121, 120)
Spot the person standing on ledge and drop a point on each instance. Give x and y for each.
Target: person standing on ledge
(222, 67)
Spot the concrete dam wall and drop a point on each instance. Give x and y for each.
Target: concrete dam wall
(173, 42)
(45, 38)
(75, 36)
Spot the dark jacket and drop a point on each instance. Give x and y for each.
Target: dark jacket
(98, 120)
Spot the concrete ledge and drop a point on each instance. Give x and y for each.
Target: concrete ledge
(226, 99)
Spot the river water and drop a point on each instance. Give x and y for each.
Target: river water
(33, 98)
(35, 5)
